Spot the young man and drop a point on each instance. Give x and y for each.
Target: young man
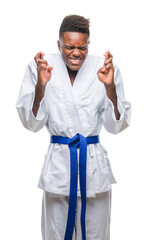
(74, 94)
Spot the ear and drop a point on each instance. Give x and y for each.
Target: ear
(58, 42)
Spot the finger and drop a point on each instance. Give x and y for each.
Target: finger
(42, 67)
(108, 66)
(41, 55)
(108, 55)
(40, 61)
(109, 60)
(106, 52)
(49, 68)
(38, 55)
(102, 70)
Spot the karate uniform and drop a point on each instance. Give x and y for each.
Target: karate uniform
(67, 110)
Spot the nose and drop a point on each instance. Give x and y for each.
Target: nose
(76, 52)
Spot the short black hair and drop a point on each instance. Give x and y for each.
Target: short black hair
(74, 23)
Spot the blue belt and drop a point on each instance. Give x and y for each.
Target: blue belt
(78, 141)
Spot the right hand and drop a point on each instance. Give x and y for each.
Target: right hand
(43, 69)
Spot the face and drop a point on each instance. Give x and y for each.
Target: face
(74, 49)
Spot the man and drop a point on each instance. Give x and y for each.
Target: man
(74, 94)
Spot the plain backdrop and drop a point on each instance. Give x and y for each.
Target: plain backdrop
(30, 26)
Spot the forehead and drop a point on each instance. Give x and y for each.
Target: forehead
(75, 38)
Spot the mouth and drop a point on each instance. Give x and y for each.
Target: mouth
(75, 61)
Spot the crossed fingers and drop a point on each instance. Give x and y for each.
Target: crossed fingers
(41, 63)
(108, 61)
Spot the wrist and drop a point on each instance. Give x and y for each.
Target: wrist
(40, 87)
(110, 87)
(111, 92)
(39, 92)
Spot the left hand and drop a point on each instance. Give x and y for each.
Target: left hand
(106, 73)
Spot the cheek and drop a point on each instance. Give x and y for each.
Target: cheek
(65, 54)
(85, 54)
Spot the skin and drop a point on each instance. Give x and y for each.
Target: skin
(74, 49)
(44, 75)
(106, 76)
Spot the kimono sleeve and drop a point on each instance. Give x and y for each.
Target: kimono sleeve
(108, 117)
(26, 99)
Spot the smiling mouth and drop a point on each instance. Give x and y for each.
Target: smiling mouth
(75, 61)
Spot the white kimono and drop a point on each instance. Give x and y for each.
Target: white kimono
(67, 110)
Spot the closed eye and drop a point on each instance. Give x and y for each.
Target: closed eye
(69, 48)
(83, 48)
(80, 48)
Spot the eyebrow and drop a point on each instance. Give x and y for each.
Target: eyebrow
(75, 47)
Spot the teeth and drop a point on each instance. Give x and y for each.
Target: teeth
(75, 61)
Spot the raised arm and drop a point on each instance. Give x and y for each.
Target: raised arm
(106, 76)
(31, 103)
(115, 109)
(44, 75)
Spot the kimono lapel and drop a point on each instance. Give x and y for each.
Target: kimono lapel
(69, 94)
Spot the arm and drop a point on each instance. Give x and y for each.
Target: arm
(39, 95)
(111, 93)
(31, 102)
(115, 110)
(44, 75)
(106, 76)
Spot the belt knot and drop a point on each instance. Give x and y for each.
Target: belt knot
(75, 140)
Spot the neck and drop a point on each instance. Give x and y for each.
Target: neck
(72, 75)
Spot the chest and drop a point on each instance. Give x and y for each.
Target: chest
(88, 94)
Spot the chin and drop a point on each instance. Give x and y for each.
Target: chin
(74, 68)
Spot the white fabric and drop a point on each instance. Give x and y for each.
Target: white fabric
(54, 217)
(67, 110)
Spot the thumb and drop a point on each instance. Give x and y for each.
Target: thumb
(102, 70)
(49, 68)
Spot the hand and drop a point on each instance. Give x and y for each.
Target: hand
(44, 75)
(106, 76)
(106, 73)
(43, 69)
